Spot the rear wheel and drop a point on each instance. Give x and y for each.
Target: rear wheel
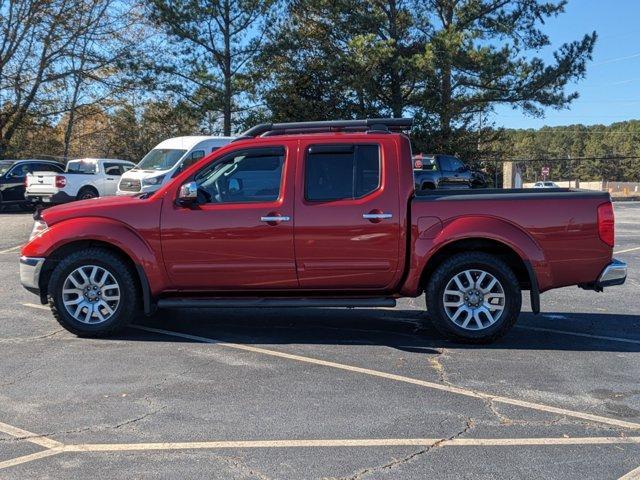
(87, 193)
(473, 297)
(93, 293)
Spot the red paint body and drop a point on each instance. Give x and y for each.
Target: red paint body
(327, 247)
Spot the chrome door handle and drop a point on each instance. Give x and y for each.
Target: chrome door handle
(376, 216)
(275, 219)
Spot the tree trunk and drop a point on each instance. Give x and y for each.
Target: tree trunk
(227, 70)
(396, 87)
(446, 84)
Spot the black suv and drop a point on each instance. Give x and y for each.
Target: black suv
(12, 179)
(444, 171)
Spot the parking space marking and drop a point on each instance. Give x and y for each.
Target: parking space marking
(627, 250)
(34, 305)
(348, 442)
(401, 378)
(579, 334)
(30, 458)
(632, 475)
(12, 249)
(29, 436)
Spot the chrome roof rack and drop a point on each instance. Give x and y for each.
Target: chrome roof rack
(377, 125)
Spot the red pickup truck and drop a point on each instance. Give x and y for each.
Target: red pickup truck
(318, 214)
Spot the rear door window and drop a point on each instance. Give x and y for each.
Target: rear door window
(114, 169)
(339, 172)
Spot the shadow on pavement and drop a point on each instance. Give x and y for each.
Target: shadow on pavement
(400, 329)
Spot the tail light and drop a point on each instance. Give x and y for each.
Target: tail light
(606, 224)
(61, 181)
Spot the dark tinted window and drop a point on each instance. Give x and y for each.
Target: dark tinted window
(48, 167)
(335, 172)
(450, 164)
(21, 170)
(252, 175)
(114, 169)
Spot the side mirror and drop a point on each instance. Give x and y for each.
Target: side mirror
(188, 194)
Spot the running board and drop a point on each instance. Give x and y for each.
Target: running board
(275, 302)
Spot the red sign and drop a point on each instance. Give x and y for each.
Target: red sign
(545, 171)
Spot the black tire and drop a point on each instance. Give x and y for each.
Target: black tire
(445, 273)
(127, 308)
(27, 207)
(87, 193)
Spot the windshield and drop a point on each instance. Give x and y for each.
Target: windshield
(4, 167)
(160, 159)
(81, 166)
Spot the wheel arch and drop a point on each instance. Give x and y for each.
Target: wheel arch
(139, 274)
(497, 237)
(70, 235)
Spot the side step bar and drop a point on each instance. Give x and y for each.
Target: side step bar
(248, 302)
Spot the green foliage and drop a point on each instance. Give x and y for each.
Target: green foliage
(582, 152)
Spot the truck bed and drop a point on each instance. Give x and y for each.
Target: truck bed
(509, 194)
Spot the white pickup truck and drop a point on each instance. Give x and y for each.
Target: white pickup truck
(82, 179)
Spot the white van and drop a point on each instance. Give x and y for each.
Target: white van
(165, 161)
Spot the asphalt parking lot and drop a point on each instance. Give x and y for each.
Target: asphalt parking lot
(349, 394)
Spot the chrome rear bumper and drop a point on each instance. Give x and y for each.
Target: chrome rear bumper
(613, 274)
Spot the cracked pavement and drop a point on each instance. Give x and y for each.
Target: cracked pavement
(143, 387)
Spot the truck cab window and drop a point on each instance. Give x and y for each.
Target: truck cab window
(338, 172)
(243, 177)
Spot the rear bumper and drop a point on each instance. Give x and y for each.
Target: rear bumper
(56, 198)
(30, 268)
(613, 274)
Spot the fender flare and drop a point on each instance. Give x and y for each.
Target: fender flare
(486, 227)
(148, 267)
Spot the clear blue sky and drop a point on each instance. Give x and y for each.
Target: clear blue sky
(611, 90)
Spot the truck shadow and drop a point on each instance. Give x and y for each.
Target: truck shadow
(396, 328)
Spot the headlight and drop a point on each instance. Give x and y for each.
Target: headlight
(39, 226)
(153, 180)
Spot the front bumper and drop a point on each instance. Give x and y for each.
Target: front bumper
(613, 274)
(30, 268)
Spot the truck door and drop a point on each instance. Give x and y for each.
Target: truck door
(347, 228)
(240, 234)
(14, 182)
(112, 174)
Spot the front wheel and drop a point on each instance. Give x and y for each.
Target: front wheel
(473, 297)
(93, 293)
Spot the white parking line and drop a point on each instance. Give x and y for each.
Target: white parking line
(627, 250)
(632, 475)
(29, 436)
(12, 249)
(30, 458)
(348, 442)
(579, 334)
(401, 378)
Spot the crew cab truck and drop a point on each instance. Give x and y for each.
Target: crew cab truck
(311, 215)
(82, 179)
(444, 171)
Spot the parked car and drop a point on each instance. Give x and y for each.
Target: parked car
(545, 184)
(165, 161)
(12, 179)
(284, 218)
(83, 179)
(444, 171)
